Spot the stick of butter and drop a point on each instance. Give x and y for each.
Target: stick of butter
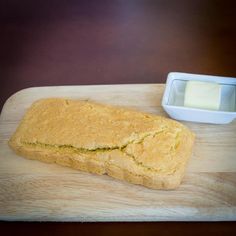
(204, 95)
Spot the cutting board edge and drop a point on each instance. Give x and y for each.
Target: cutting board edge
(25, 90)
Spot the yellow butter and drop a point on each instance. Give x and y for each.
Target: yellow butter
(203, 95)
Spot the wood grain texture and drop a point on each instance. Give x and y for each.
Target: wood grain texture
(31, 190)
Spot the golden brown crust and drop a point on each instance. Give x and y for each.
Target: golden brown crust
(129, 145)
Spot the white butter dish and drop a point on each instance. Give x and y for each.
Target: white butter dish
(173, 99)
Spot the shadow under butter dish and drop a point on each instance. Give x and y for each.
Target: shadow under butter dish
(137, 147)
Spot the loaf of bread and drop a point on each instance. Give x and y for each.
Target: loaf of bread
(129, 145)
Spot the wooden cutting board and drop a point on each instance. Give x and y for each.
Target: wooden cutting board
(31, 190)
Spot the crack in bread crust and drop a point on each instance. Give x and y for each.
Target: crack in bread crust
(122, 148)
(105, 148)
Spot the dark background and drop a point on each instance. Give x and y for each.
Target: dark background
(108, 42)
(62, 42)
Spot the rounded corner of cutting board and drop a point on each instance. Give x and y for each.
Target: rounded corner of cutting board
(15, 96)
(20, 92)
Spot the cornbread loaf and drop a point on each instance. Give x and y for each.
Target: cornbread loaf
(129, 145)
